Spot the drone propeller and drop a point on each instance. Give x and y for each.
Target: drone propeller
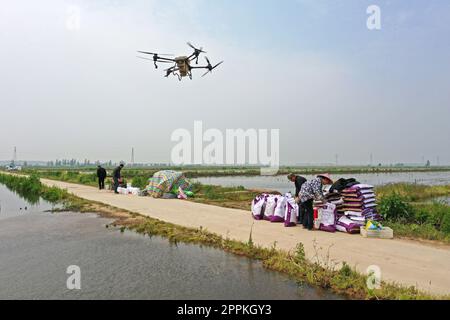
(157, 54)
(210, 67)
(155, 57)
(196, 50)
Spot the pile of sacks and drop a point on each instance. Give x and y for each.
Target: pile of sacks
(129, 190)
(359, 207)
(344, 211)
(276, 208)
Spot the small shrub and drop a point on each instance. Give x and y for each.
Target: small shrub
(434, 214)
(395, 207)
(445, 226)
(53, 195)
(299, 255)
(139, 182)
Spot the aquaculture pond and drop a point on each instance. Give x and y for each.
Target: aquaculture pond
(280, 182)
(37, 247)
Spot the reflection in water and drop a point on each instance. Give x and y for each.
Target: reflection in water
(12, 204)
(36, 248)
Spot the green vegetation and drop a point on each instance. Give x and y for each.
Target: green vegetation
(229, 197)
(139, 182)
(395, 207)
(87, 178)
(403, 208)
(413, 192)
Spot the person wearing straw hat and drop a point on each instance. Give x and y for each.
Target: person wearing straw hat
(310, 190)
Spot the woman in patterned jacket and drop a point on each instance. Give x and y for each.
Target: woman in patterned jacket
(309, 191)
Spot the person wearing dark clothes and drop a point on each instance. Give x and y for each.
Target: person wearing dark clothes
(298, 181)
(117, 177)
(309, 191)
(101, 175)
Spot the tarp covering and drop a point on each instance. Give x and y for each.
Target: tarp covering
(167, 181)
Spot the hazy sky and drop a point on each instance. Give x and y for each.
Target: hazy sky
(310, 68)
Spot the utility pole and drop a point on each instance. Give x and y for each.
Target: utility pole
(14, 159)
(132, 157)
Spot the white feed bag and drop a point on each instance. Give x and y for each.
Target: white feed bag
(271, 204)
(278, 215)
(291, 213)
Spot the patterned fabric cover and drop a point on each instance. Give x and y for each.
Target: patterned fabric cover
(167, 181)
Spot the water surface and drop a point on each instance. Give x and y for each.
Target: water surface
(37, 247)
(281, 184)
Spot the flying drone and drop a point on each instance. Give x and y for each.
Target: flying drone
(182, 65)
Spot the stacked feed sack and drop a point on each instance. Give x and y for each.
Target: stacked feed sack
(329, 197)
(360, 203)
(318, 204)
(336, 199)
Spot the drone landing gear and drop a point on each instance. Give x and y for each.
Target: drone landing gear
(178, 75)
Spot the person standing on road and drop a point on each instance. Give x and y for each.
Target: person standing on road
(101, 175)
(309, 191)
(117, 177)
(298, 181)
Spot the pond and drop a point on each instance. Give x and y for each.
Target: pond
(281, 184)
(36, 247)
(445, 200)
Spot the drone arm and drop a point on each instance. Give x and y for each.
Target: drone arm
(201, 67)
(161, 59)
(171, 70)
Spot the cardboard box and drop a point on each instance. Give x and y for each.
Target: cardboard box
(385, 233)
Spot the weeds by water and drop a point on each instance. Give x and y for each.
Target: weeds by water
(413, 192)
(400, 206)
(31, 189)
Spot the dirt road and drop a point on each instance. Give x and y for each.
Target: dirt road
(402, 261)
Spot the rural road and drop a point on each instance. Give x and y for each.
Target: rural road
(405, 262)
